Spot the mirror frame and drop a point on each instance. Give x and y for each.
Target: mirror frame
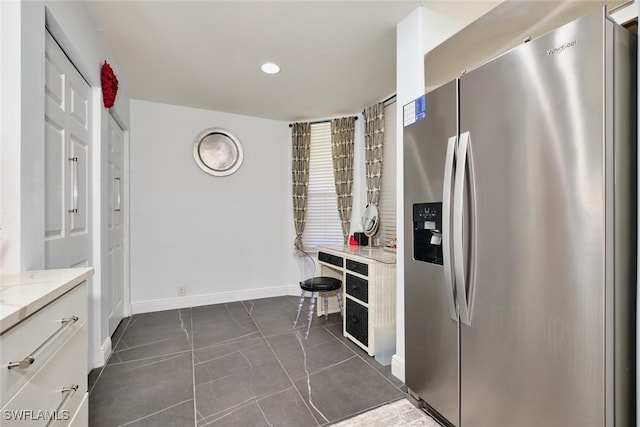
(370, 215)
(230, 139)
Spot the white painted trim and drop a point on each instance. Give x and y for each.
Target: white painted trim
(105, 352)
(397, 367)
(149, 306)
(127, 225)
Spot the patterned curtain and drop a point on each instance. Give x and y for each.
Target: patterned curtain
(301, 151)
(373, 139)
(342, 137)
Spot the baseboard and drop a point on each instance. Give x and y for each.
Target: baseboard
(397, 367)
(104, 353)
(149, 306)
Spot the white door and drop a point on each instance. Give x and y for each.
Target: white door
(67, 156)
(115, 224)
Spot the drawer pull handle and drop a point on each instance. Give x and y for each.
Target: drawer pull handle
(74, 190)
(30, 359)
(23, 364)
(70, 391)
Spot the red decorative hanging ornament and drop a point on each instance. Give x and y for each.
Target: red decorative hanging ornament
(109, 85)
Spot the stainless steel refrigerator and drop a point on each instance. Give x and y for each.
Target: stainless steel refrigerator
(520, 235)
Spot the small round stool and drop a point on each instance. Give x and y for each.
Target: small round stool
(317, 285)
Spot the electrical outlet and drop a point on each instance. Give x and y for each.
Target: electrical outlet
(182, 290)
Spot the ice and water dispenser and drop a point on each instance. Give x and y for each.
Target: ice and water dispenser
(427, 232)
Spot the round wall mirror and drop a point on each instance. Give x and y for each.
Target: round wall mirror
(370, 220)
(217, 151)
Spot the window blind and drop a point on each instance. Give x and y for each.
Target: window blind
(322, 225)
(387, 202)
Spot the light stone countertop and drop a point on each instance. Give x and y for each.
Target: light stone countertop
(22, 294)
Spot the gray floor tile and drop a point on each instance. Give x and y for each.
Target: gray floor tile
(217, 351)
(132, 391)
(93, 377)
(287, 409)
(284, 409)
(248, 415)
(154, 334)
(267, 304)
(171, 345)
(222, 323)
(228, 349)
(299, 356)
(336, 330)
(291, 299)
(236, 378)
(348, 388)
(120, 330)
(179, 415)
(278, 322)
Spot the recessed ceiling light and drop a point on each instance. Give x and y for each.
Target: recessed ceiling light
(270, 68)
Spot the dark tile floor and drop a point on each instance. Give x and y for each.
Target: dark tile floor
(236, 364)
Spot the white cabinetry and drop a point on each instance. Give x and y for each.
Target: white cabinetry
(43, 357)
(67, 165)
(369, 285)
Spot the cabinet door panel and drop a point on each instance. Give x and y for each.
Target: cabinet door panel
(67, 161)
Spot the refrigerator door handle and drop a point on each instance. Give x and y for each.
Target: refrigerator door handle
(446, 225)
(465, 285)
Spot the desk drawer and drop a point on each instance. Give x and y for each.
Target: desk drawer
(357, 288)
(357, 321)
(358, 267)
(330, 259)
(40, 335)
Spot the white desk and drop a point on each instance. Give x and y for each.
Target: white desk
(369, 285)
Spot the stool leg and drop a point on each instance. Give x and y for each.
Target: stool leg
(339, 297)
(312, 306)
(300, 303)
(326, 306)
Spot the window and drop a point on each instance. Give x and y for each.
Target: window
(387, 202)
(322, 225)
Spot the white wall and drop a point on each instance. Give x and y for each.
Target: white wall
(22, 109)
(22, 35)
(418, 33)
(225, 238)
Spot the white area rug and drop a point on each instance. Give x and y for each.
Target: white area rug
(395, 414)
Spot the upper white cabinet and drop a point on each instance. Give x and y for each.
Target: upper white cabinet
(67, 161)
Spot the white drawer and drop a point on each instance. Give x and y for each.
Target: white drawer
(81, 417)
(40, 336)
(42, 397)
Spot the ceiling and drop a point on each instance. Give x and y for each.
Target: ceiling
(336, 57)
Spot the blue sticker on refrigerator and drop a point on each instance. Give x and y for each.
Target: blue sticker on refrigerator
(415, 111)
